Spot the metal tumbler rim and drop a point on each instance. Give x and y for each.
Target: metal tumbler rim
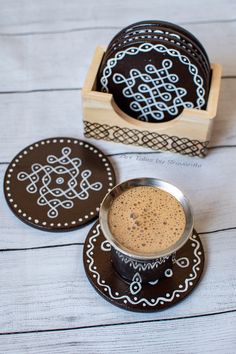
(152, 182)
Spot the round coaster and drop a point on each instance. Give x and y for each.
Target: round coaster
(147, 27)
(174, 44)
(154, 82)
(192, 52)
(159, 294)
(164, 34)
(58, 184)
(169, 25)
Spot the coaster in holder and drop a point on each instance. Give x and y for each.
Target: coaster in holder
(147, 28)
(58, 184)
(155, 70)
(145, 25)
(163, 34)
(195, 56)
(154, 82)
(176, 284)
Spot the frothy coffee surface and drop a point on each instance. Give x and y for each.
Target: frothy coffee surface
(146, 219)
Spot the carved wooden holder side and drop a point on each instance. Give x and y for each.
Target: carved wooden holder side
(189, 133)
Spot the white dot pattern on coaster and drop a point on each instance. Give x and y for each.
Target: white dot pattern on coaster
(56, 163)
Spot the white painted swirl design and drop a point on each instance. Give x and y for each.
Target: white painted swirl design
(63, 171)
(142, 265)
(128, 298)
(157, 91)
(155, 76)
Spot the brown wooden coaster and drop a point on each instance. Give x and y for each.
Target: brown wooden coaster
(171, 26)
(175, 44)
(159, 294)
(58, 184)
(154, 82)
(177, 40)
(147, 28)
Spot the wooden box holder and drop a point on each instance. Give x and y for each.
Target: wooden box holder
(189, 133)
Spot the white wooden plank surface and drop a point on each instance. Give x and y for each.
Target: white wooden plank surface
(48, 288)
(46, 47)
(213, 334)
(61, 64)
(23, 16)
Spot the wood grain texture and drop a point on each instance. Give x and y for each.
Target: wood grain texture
(58, 55)
(48, 289)
(59, 15)
(213, 334)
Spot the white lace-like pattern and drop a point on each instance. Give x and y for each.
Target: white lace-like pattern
(136, 284)
(157, 92)
(142, 266)
(157, 85)
(64, 172)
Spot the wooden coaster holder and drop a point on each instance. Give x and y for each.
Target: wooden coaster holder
(187, 134)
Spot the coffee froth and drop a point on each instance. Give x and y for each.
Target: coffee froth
(146, 219)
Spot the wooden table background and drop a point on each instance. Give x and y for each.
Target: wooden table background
(46, 303)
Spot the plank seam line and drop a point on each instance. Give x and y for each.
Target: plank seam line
(117, 324)
(95, 28)
(41, 247)
(82, 243)
(218, 230)
(61, 89)
(161, 152)
(221, 147)
(225, 77)
(144, 152)
(41, 90)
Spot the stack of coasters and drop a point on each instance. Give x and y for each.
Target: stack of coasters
(154, 70)
(58, 184)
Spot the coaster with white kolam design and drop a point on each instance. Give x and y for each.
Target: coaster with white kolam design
(146, 27)
(157, 87)
(154, 87)
(162, 33)
(176, 284)
(166, 37)
(154, 72)
(58, 184)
